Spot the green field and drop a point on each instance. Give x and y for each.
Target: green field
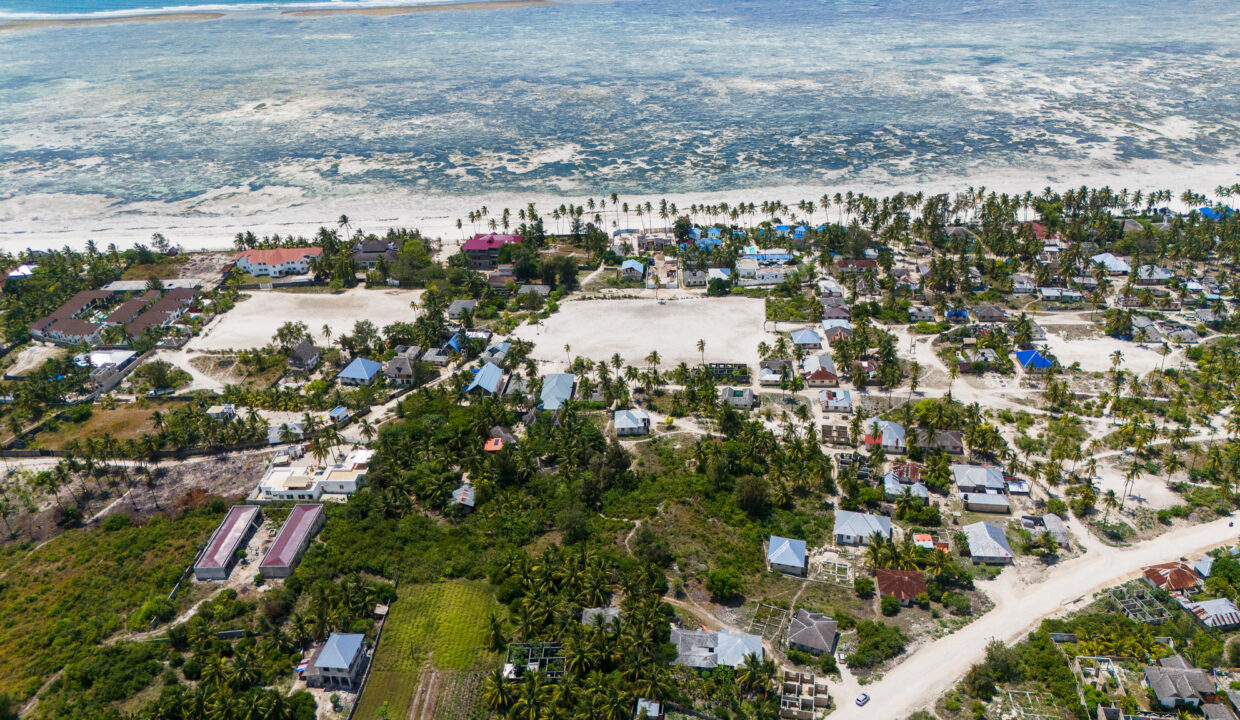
(445, 622)
(76, 590)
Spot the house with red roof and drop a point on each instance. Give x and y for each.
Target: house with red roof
(483, 249)
(277, 262)
(1172, 577)
(903, 585)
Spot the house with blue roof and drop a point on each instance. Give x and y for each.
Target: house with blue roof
(782, 230)
(1033, 361)
(798, 232)
(807, 339)
(360, 372)
(489, 379)
(632, 271)
(338, 663)
(695, 233)
(787, 556)
(338, 414)
(714, 233)
(894, 486)
(557, 389)
(497, 353)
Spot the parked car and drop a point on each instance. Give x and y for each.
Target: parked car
(863, 698)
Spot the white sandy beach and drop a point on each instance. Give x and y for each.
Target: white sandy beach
(211, 221)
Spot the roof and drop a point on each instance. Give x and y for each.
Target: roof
(227, 537)
(279, 256)
(786, 551)
(732, 648)
(883, 431)
(1111, 262)
(292, 536)
(599, 615)
(488, 379)
(1171, 576)
(631, 419)
(986, 499)
(986, 540)
(813, 630)
(1217, 711)
(1174, 679)
(633, 265)
(1220, 613)
(864, 525)
(648, 708)
(1032, 358)
(556, 390)
(305, 350)
(901, 584)
(361, 369)
(489, 241)
(464, 495)
(339, 651)
(806, 337)
(893, 486)
(1153, 272)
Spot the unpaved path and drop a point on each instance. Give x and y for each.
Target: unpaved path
(919, 680)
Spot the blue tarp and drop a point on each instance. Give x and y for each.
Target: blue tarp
(1032, 359)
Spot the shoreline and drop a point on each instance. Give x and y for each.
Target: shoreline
(32, 24)
(390, 10)
(39, 223)
(308, 12)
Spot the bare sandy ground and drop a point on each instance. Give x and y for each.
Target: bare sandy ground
(29, 359)
(406, 9)
(920, 679)
(597, 329)
(1094, 352)
(254, 321)
(71, 22)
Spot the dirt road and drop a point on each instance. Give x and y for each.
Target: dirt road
(919, 680)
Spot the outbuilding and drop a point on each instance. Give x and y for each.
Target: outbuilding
(218, 557)
(292, 540)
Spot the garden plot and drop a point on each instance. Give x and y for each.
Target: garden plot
(1139, 604)
(768, 621)
(254, 320)
(1032, 706)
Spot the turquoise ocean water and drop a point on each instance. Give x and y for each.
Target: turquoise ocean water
(630, 96)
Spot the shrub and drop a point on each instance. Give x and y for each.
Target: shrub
(863, 586)
(723, 583)
(890, 606)
(876, 642)
(116, 521)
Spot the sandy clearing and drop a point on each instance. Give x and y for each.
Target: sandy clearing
(930, 671)
(1094, 353)
(32, 357)
(254, 321)
(597, 329)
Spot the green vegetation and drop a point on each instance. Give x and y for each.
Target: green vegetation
(441, 624)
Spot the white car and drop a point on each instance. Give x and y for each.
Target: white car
(863, 698)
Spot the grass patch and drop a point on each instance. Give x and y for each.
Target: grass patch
(442, 622)
(168, 269)
(131, 420)
(76, 590)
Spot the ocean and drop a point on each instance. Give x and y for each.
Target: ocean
(257, 114)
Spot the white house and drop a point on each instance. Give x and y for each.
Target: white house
(278, 261)
(632, 422)
(854, 528)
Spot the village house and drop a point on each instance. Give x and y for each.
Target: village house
(835, 434)
(368, 253)
(739, 398)
(1176, 683)
(338, 664)
(277, 262)
(986, 502)
(488, 379)
(1174, 577)
(856, 528)
(812, 632)
(836, 401)
(787, 556)
(819, 371)
(694, 278)
(304, 357)
(632, 271)
(978, 479)
(771, 373)
(903, 585)
(1216, 614)
(888, 434)
(949, 441)
(807, 339)
(705, 650)
(631, 422)
(987, 544)
(361, 371)
(921, 313)
(895, 486)
(557, 389)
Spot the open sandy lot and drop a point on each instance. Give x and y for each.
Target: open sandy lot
(255, 320)
(1094, 352)
(597, 329)
(30, 358)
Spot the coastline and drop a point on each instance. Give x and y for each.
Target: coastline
(12, 25)
(391, 10)
(310, 12)
(41, 223)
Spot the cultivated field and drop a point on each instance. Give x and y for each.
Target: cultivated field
(597, 329)
(255, 320)
(435, 634)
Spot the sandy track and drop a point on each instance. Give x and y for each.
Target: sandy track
(919, 680)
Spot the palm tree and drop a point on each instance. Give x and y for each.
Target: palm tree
(701, 346)
(496, 692)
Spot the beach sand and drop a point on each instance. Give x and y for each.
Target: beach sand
(72, 22)
(406, 9)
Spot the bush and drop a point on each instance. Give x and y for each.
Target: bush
(1055, 506)
(116, 521)
(723, 583)
(863, 586)
(890, 606)
(876, 642)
